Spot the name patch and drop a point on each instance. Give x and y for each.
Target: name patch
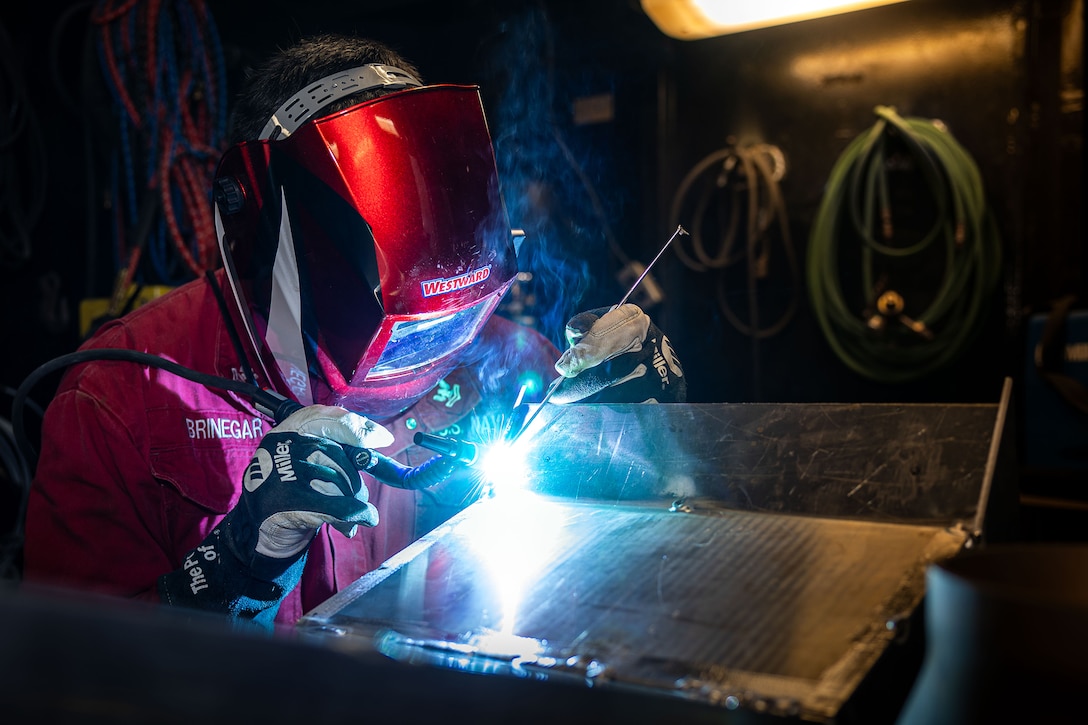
(205, 428)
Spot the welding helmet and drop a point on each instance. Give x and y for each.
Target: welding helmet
(365, 248)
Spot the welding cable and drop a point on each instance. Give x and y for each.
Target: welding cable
(381, 467)
(22, 459)
(876, 337)
(743, 188)
(268, 402)
(19, 475)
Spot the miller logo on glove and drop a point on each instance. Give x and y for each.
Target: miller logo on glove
(618, 355)
(300, 477)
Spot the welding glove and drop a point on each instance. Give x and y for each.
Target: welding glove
(299, 478)
(618, 355)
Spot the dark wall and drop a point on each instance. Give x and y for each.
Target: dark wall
(594, 192)
(810, 89)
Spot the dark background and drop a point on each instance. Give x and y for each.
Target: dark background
(1005, 77)
(593, 192)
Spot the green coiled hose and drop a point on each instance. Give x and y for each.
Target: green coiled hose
(883, 336)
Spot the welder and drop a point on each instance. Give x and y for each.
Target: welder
(365, 248)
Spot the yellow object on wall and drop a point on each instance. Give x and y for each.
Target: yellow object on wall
(94, 308)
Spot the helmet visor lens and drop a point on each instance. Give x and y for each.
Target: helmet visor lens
(414, 343)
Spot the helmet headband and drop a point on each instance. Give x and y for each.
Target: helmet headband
(304, 105)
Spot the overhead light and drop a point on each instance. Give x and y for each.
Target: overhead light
(693, 19)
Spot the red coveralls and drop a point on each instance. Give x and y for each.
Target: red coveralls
(138, 465)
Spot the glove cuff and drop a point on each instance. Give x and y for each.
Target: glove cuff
(217, 577)
(596, 338)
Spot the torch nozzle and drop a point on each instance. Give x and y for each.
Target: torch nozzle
(465, 451)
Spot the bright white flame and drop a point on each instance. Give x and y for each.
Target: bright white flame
(508, 644)
(513, 535)
(504, 468)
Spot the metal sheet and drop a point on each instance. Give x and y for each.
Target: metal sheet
(752, 557)
(911, 463)
(781, 613)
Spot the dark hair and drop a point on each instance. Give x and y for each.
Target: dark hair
(292, 69)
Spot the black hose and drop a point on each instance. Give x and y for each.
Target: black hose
(23, 459)
(273, 404)
(107, 353)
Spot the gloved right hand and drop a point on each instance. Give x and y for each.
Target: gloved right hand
(299, 478)
(618, 355)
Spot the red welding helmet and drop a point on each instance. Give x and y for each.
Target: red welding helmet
(366, 248)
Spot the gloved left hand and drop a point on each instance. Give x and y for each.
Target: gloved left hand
(618, 355)
(299, 478)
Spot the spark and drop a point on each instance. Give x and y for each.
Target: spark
(503, 465)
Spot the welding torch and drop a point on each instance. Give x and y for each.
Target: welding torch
(466, 452)
(381, 467)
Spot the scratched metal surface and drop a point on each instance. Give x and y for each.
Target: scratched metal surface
(785, 614)
(746, 556)
(910, 463)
